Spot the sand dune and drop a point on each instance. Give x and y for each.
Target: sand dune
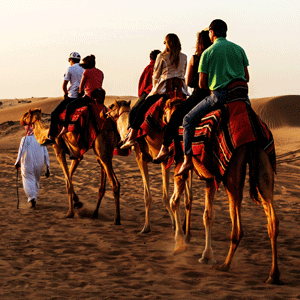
(46, 256)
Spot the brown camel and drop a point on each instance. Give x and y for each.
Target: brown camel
(103, 147)
(261, 183)
(146, 149)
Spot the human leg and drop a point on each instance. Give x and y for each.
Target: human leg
(139, 119)
(172, 127)
(134, 110)
(192, 119)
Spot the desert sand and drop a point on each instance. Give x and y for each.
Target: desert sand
(44, 255)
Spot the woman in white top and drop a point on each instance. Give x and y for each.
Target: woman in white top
(171, 63)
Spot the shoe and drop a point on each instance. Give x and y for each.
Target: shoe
(128, 144)
(162, 155)
(186, 166)
(33, 202)
(130, 139)
(48, 142)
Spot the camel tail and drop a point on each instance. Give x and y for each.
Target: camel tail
(253, 172)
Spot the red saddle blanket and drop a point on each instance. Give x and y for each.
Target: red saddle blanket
(222, 131)
(218, 135)
(87, 123)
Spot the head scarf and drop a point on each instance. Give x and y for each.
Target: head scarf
(29, 130)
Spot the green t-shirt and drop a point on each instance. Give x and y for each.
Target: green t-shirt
(223, 61)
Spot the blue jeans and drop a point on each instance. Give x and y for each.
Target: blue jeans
(193, 118)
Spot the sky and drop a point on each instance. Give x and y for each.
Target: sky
(37, 37)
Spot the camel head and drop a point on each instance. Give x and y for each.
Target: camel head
(119, 107)
(31, 116)
(118, 112)
(170, 107)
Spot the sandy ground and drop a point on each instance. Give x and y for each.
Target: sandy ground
(43, 255)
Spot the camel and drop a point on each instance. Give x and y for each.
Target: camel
(146, 149)
(103, 147)
(261, 183)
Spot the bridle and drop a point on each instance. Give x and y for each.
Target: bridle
(121, 111)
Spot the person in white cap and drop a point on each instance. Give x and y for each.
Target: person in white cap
(71, 83)
(31, 159)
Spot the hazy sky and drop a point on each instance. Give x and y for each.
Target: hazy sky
(38, 35)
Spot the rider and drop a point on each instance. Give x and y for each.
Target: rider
(171, 63)
(145, 86)
(192, 80)
(92, 80)
(220, 64)
(72, 77)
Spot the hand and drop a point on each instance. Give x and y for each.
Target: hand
(65, 96)
(47, 173)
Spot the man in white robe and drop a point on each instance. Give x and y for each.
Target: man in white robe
(31, 158)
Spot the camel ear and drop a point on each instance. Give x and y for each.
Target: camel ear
(39, 110)
(129, 102)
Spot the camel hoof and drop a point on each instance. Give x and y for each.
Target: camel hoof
(78, 204)
(146, 229)
(117, 222)
(274, 280)
(94, 215)
(180, 249)
(70, 215)
(223, 268)
(188, 238)
(207, 261)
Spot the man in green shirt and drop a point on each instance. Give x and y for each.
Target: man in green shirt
(220, 64)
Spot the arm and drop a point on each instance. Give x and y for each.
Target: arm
(203, 81)
(189, 77)
(20, 154)
(46, 162)
(82, 83)
(65, 87)
(247, 76)
(157, 69)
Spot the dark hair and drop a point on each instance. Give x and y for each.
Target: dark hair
(89, 62)
(173, 46)
(219, 27)
(203, 42)
(154, 54)
(75, 60)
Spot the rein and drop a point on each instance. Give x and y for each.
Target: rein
(117, 116)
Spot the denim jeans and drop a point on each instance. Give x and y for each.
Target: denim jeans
(193, 118)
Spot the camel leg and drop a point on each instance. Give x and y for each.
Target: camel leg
(101, 191)
(188, 199)
(61, 157)
(265, 189)
(166, 180)
(115, 188)
(234, 185)
(179, 185)
(72, 169)
(143, 165)
(208, 218)
(103, 151)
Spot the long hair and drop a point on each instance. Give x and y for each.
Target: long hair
(173, 46)
(89, 62)
(203, 42)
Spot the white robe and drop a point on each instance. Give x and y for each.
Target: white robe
(32, 157)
